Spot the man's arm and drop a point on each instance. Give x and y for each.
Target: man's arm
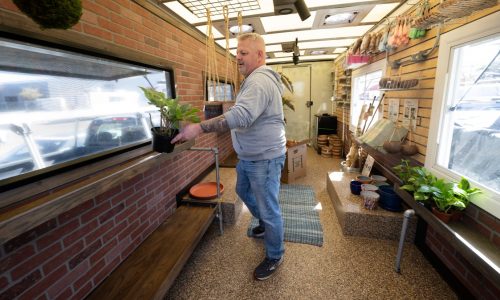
(190, 131)
(218, 124)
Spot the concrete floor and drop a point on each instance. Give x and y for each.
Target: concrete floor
(345, 267)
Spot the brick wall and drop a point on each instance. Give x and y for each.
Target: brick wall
(68, 256)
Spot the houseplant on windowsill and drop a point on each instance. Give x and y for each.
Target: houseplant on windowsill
(172, 113)
(447, 200)
(451, 198)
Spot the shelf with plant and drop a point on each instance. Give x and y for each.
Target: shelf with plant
(446, 199)
(172, 113)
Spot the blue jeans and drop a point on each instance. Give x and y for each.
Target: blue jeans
(258, 185)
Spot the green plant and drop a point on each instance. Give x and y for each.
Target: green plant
(59, 14)
(172, 113)
(425, 186)
(416, 180)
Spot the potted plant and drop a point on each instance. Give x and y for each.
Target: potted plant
(416, 180)
(447, 199)
(451, 198)
(172, 113)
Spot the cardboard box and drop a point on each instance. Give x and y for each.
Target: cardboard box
(295, 163)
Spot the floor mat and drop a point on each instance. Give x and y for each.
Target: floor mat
(301, 219)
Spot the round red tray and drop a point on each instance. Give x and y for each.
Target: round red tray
(205, 190)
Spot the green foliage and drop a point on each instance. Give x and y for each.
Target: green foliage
(58, 14)
(425, 186)
(172, 113)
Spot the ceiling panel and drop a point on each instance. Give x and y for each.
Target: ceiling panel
(264, 16)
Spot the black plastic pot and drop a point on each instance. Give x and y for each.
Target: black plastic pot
(161, 143)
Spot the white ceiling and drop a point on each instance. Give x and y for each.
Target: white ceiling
(276, 29)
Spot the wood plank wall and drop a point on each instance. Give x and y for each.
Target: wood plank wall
(425, 71)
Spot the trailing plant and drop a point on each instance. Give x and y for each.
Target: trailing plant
(418, 180)
(446, 196)
(58, 14)
(172, 113)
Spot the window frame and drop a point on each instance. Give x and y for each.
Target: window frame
(380, 65)
(220, 81)
(115, 155)
(475, 31)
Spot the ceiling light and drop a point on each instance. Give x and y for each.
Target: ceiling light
(318, 52)
(302, 9)
(378, 12)
(286, 22)
(285, 11)
(340, 18)
(244, 29)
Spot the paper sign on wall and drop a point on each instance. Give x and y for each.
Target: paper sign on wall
(393, 110)
(410, 114)
(367, 168)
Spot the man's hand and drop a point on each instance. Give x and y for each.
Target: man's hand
(188, 132)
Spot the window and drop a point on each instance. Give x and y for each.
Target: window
(59, 107)
(465, 124)
(219, 91)
(365, 88)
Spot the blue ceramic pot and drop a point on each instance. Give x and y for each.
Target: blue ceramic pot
(389, 200)
(356, 187)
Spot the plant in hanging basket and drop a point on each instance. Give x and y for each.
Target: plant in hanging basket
(58, 14)
(172, 113)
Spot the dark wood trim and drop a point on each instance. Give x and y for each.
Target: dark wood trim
(27, 216)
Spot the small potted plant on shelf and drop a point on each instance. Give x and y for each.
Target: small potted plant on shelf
(172, 113)
(446, 199)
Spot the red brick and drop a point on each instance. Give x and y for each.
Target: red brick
(89, 17)
(56, 234)
(110, 5)
(111, 213)
(124, 41)
(100, 254)
(79, 233)
(105, 271)
(3, 282)
(15, 258)
(96, 31)
(66, 294)
(96, 8)
(17, 289)
(88, 251)
(43, 284)
(83, 292)
(96, 211)
(62, 258)
(34, 262)
(87, 276)
(119, 19)
(496, 239)
(489, 221)
(67, 281)
(96, 234)
(29, 236)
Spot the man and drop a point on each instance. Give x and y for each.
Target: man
(257, 129)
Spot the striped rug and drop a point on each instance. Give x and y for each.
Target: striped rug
(301, 219)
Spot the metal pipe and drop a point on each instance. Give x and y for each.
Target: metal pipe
(407, 216)
(217, 182)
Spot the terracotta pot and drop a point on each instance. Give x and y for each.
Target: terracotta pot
(445, 217)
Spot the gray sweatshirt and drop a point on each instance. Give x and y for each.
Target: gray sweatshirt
(256, 120)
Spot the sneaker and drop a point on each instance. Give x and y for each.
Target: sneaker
(258, 231)
(267, 268)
